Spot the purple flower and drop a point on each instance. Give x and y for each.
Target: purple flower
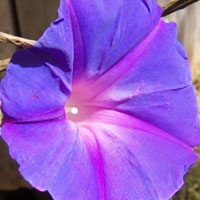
(102, 107)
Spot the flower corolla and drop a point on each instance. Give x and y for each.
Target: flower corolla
(102, 106)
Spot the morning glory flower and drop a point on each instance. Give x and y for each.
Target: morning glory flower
(102, 106)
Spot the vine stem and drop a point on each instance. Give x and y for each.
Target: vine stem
(176, 5)
(18, 41)
(172, 6)
(3, 64)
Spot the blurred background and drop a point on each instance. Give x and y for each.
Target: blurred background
(29, 19)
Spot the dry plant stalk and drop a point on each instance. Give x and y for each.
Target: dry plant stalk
(3, 64)
(169, 8)
(18, 41)
(176, 5)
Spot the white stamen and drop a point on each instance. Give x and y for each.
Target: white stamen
(74, 110)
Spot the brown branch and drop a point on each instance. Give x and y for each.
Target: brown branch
(18, 41)
(3, 64)
(175, 5)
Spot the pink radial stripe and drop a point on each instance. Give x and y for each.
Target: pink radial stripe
(120, 68)
(158, 161)
(95, 155)
(124, 120)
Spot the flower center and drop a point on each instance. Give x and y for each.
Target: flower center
(79, 111)
(75, 109)
(71, 110)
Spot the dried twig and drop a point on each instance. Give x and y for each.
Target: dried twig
(18, 41)
(3, 64)
(175, 5)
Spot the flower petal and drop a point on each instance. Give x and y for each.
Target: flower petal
(105, 31)
(157, 89)
(174, 111)
(113, 157)
(52, 157)
(38, 80)
(139, 160)
(56, 47)
(29, 91)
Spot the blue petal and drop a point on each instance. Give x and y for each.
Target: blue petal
(140, 161)
(112, 156)
(38, 80)
(153, 82)
(105, 31)
(52, 157)
(30, 91)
